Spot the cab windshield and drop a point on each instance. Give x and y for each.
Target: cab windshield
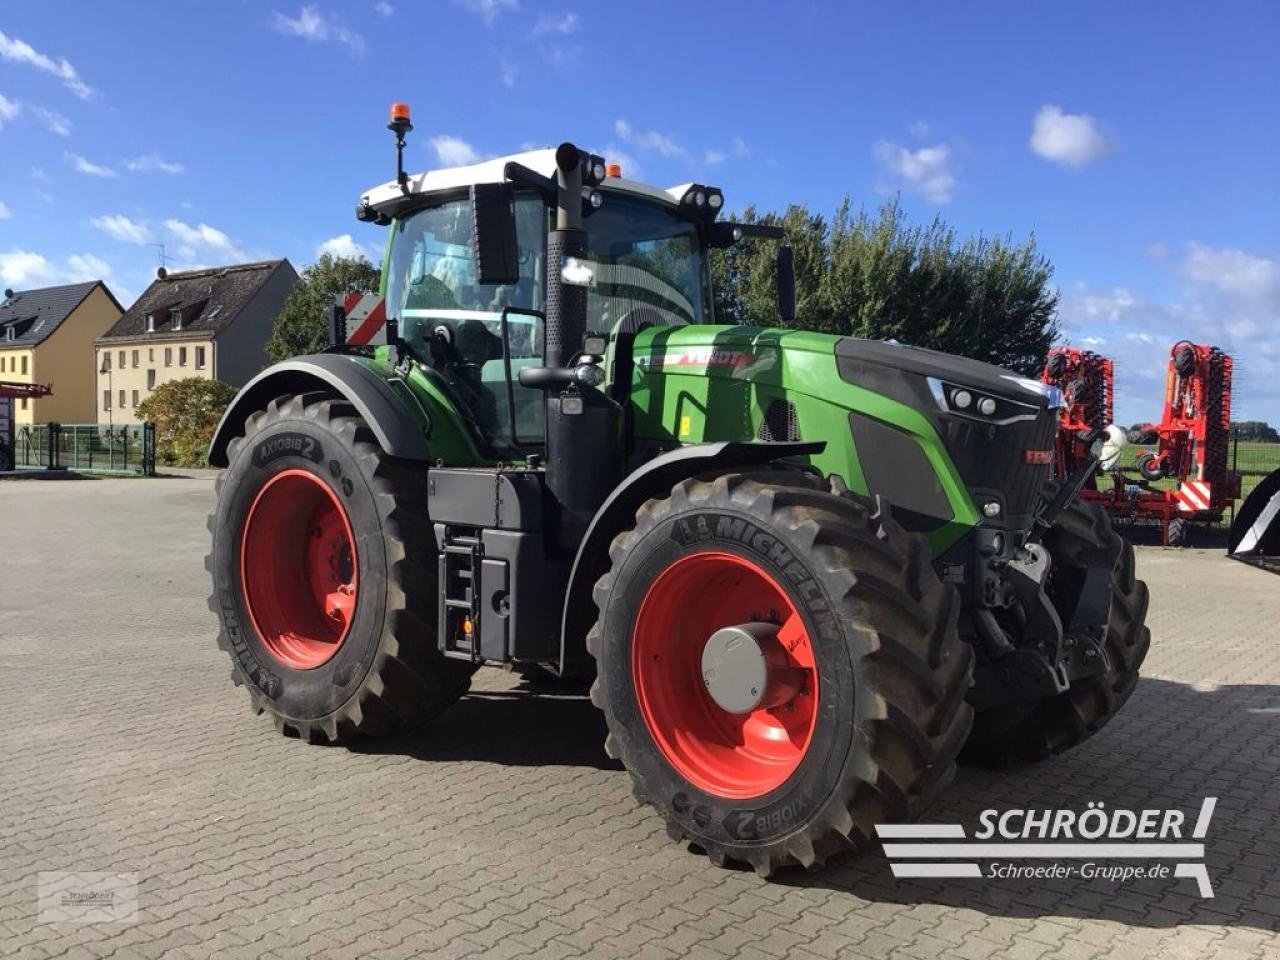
(649, 269)
(649, 265)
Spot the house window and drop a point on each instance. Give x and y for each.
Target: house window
(106, 399)
(151, 354)
(175, 319)
(168, 356)
(121, 359)
(24, 403)
(151, 379)
(182, 356)
(106, 362)
(121, 399)
(134, 359)
(24, 364)
(199, 358)
(134, 398)
(151, 323)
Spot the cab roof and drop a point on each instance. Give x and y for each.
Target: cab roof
(542, 161)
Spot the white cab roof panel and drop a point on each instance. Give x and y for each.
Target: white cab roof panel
(492, 171)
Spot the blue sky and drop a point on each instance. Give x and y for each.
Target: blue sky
(1140, 143)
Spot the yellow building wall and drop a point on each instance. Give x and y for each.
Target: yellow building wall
(12, 362)
(132, 378)
(65, 362)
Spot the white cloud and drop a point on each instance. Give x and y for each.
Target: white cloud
(920, 129)
(122, 228)
(88, 167)
(344, 245)
(1071, 139)
(1157, 250)
(383, 9)
(19, 51)
(488, 10)
(153, 162)
(651, 140)
(5, 212)
(53, 122)
(714, 157)
(925, 171)
(556, 23)
(1094, 341)
(8, 110)
(203, 238)
(315, 26)
(740, 148)
(24, 269)
(453, 151)
(82, 267)
(1232, 271)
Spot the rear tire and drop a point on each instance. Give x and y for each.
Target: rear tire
(384, 673)
(886, 663)
(1026, 732)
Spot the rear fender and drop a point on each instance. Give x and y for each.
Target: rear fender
(655, 478)
(398, 433)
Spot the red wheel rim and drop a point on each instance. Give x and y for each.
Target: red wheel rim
(299, 569)
(725, 754)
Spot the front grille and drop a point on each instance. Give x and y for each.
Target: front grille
(992, 459)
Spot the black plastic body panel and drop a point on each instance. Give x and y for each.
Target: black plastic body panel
(486, 497)
(655, 477)
(395, 430)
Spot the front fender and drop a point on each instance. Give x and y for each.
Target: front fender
(654, 478)
(397, 431)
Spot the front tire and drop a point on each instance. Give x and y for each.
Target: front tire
(323, 580)
(861, 724)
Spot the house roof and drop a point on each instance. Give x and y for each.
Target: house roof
(210, 299)
(34, 315)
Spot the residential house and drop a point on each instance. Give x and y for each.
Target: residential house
(212, 323)
(47, 336)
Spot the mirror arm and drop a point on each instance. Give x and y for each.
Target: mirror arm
(546, 187)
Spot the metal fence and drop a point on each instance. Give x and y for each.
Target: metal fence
(90, 447)
(1253, 460)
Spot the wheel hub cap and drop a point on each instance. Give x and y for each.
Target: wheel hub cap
(745, 667)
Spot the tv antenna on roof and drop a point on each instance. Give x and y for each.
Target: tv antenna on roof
(162, 271)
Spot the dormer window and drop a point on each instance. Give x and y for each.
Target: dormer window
(151, 323)
(175, 318)
(9, 332)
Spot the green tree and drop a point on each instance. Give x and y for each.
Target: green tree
(186, 412)
(302, 325)
(883, 278)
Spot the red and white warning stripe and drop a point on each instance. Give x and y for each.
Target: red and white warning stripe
(366, 318)
(1193, 495)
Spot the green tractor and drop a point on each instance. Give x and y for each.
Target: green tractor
(807, 572)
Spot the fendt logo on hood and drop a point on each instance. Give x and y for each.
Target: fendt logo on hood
(1114, 845)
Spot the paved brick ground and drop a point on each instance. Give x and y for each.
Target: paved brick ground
(502, 831)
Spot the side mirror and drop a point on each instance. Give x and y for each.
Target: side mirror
(786, 284)
(494, 233)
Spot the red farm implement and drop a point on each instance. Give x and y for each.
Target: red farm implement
(1185, 475)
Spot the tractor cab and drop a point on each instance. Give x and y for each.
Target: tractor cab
(469, 274)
